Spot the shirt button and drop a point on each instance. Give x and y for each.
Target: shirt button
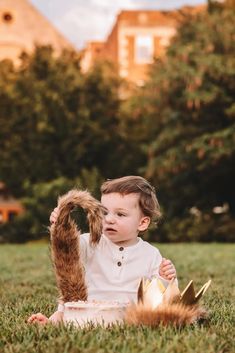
(119, 263)
(121, 248)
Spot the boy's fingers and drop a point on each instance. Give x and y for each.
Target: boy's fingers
(166, 262)
(170, 265)
(39, 315)
(169, 272)
(167, 267)
(32, 318)
(54, 215)
(170, 276)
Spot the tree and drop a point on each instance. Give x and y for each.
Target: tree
(55, 121)
(189, 106)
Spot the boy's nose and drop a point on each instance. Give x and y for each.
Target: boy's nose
(109, 218)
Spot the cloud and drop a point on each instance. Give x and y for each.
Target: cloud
(86, 23)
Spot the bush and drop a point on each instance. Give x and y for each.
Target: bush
(206, 228)
(40, 201)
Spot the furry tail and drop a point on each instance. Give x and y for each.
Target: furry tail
(175, 314)
(65, 249)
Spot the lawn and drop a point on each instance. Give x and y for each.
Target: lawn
(27, 285)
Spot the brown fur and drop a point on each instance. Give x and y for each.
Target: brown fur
(166, 314)
(170, 312)
(65, 250)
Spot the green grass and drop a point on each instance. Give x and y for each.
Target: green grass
(27, 286)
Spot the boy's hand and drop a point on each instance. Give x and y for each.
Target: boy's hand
(54, 215)
(38, 319)
(167, 269)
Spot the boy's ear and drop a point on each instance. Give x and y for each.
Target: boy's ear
(144, 223)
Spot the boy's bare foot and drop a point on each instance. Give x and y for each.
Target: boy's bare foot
(38, 319)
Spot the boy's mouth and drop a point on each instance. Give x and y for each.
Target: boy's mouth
(110, 229)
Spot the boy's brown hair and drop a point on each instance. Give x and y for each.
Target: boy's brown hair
(136, 184)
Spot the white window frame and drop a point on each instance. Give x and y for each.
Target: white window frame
(144, 43)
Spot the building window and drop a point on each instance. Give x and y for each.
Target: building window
(144, 49)
(7, 17)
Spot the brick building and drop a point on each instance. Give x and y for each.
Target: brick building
(22, 26)
(136, 38)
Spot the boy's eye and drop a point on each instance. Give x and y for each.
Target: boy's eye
(105, 212)
(121, 214)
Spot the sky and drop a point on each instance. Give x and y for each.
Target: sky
(81, 21)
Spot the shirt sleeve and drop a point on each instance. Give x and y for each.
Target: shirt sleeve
(156, 267)
(157, 259)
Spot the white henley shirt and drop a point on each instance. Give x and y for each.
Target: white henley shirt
(113, 273)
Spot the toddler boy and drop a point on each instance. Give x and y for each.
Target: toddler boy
(114, 267)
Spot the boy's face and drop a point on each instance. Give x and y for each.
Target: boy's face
(123, 219)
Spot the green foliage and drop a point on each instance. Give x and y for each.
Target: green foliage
(203, 227)
(188, 108)
(41, 199)
(55, 121)
(28, 286)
